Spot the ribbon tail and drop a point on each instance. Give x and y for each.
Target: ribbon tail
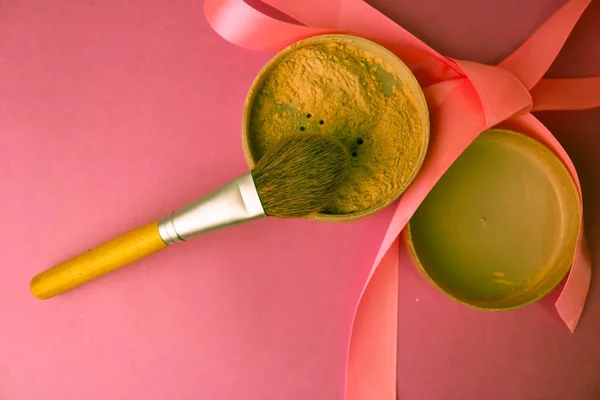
(566, 94)
(457, 120)
(571, 301)
(240, 24)
(573, 296)
(372, 358)
(533, 58)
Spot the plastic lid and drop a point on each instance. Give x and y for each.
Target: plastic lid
(499, 229)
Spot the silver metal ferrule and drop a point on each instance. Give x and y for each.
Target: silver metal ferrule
(231, 204)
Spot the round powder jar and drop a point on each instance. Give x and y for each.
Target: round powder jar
(352, 89)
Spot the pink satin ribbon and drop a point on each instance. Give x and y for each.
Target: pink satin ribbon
(465, 98)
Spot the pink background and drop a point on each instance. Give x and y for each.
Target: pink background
(113, 113)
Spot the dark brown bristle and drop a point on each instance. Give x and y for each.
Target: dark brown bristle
(300, 175)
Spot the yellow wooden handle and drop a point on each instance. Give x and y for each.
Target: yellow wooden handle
(98, 261)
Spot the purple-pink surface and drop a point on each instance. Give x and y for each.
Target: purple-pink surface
(114, 113)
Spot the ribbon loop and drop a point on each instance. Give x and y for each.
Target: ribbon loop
(239, 23)
(350, 16)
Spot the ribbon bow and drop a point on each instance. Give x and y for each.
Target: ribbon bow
(464, 98)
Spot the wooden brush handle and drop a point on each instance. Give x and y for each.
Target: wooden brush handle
(98, 261)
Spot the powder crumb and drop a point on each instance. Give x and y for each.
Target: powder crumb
(354, 96)
(505, 282)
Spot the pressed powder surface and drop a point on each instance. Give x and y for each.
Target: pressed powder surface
(339, 89)
(499, 229)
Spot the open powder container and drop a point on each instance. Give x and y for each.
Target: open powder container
(353, 89)
(499, 229)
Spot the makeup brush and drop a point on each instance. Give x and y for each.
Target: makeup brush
(296, 178)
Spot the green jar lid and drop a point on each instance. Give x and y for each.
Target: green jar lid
(499, 229)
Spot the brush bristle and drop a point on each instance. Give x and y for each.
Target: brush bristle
(300, 175)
